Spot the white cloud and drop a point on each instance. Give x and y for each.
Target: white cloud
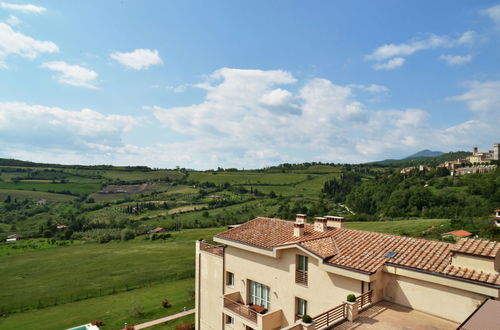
(12, 42)
(456, 59)
(481, 96)
(73, 75)
(13, 20)
(394, 54)
(390, 64)
(247, 119)
(53, 127)
(23, 8)
(138, 59)
(494, 14)
(373, 88)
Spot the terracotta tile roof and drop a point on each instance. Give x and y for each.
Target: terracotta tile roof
(269, 232)
(458, 233)
(366, 251)
(478, 247)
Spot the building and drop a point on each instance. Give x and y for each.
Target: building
(267, 273)
(457, 234)
(157, 230)
(478, 157)
(497, 217)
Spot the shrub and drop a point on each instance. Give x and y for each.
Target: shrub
(105, 238)
(98, 323)
(136, 309)
(307, 319)
(165, 304)
(351, 298)
(127, 234)
(188, 326)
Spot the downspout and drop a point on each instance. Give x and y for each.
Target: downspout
(223, 283)
(199, 289)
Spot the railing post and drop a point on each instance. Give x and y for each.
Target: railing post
(352, 310)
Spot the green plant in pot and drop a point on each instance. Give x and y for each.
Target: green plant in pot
(351, 298)
(307, 319)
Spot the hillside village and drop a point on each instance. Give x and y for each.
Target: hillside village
(477, 162)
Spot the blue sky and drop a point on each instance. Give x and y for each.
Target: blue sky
(246, 84)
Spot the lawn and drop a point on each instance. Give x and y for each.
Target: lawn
(114, 309)
(408, 227)
(48, 276)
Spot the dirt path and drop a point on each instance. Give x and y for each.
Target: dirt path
(163, 319)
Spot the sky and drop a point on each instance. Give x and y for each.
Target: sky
(246, 84)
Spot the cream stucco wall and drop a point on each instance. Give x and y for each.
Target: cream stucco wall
(472, 261)
(324, 291)
(209, 291)
(443, 301)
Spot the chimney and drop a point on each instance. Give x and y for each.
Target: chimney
(334, 222)
(319, 224)
(298, 229)
(300, 218)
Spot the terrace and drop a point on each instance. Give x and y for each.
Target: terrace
(386, 315)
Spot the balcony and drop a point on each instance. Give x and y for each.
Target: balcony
(241, 309)
(218, 250)
(301, 277)
(235, 307)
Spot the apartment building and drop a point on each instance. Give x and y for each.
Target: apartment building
(267, 273)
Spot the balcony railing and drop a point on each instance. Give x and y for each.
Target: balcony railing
(218, 250)
(364, 300)
(329, 317)
(301, 277)
(241, 309)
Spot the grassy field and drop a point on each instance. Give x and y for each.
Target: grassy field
(407, 227)
(140, 176)
(75, 188)
(30, 245)
(48, 276)
(114, 309)
(37, 195)
(247, 178)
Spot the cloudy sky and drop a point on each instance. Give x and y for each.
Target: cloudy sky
(246, 84)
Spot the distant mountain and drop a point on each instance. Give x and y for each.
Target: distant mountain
(423, 157)
(425, 153)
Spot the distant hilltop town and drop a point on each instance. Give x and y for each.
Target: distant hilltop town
(478, 162)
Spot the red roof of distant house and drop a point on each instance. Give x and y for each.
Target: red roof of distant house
(459, 233)
(157, 230)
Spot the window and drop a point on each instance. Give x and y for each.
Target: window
(229, 320)
(302, 263)
(229, 279)
(301, 270)
(301, 307)
(259, 294)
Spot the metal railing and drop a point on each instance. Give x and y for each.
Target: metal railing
(240, 309)
(301, 277)
(329, 317)
(364, 299)
(218, 250)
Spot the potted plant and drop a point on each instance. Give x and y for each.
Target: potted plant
(307, 319)
(351, 298)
